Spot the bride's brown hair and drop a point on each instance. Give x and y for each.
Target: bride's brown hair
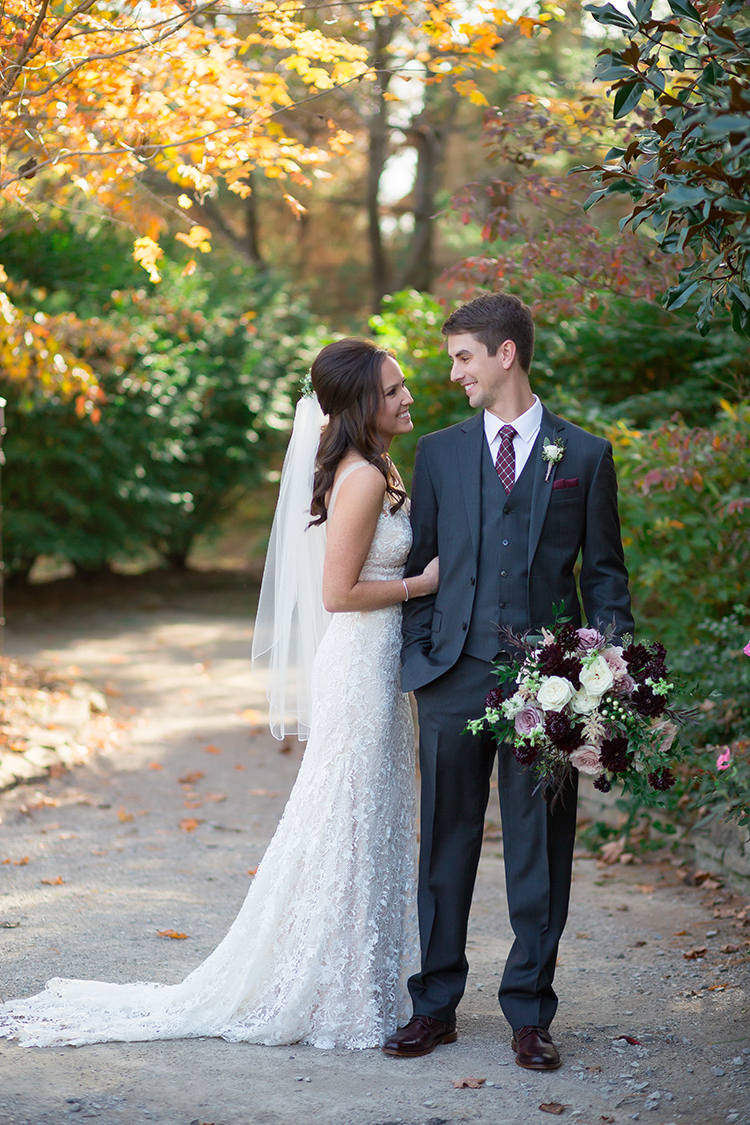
(346, 378)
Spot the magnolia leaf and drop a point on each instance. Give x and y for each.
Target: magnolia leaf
(627, 98)
(608, 14)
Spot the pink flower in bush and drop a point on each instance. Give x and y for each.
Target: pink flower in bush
(746, 649)
(528, 720)
(724, 759)
(586, 759)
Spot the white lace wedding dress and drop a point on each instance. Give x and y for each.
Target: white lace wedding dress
(324, 943)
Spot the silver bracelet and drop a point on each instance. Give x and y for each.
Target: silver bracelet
(403, 582)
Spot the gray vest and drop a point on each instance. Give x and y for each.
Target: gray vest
(502, 570)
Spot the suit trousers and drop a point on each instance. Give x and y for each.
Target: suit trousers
(538, 841)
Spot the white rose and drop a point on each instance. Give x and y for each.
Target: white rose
(583, 703)
(597, 677)
(511, 707)
(555, 693)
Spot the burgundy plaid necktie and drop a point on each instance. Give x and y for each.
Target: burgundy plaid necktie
(505, 462)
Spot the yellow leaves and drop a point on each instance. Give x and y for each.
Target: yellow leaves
(147, 253)
(173, 934)
(189, 824)
(469, 89)
(197, 239)
(295, 206)
(190, 268)
(526, 26)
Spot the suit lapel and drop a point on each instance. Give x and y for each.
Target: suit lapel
(469, 439)
(551, 428)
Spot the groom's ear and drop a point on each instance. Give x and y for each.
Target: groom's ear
(507, 353)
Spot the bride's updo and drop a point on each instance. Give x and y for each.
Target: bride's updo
(346, 378)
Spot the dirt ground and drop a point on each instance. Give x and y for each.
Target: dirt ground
(160, 830)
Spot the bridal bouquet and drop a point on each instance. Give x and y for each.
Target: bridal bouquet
(581, 701)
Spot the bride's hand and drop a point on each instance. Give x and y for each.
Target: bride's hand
(430, 576)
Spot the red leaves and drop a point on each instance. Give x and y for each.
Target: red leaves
(631, 1040)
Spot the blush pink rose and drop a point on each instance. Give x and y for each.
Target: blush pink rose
(613, 657)
(589, 639)
(528, 720)
(586, 760)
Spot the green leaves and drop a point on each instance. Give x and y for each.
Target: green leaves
(688, 169)
(627, 98)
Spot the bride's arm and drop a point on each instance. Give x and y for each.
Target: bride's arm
(351, 528)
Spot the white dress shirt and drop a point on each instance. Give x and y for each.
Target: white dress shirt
(526, 426)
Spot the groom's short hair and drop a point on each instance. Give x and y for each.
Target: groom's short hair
(492, 319)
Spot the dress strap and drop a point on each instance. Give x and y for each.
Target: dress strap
(342, 477)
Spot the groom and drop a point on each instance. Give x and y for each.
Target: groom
(509, 529)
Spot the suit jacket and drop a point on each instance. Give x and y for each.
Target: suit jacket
(573, 514)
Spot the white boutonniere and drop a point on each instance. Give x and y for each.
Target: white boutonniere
(552, 452)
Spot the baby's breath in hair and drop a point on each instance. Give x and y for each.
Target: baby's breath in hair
(307, 387)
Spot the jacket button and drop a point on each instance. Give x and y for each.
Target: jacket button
(503, 574)
(464, 626)
(505, 542)
(473, 581)
(503, 605)
(507, 511)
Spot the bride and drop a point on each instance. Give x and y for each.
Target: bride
(322, 947)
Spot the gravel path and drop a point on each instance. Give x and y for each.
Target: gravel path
(160, 830)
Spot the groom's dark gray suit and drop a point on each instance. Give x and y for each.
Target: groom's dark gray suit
(504, 560)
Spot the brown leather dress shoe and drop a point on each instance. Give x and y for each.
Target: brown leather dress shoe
(420, 1036)
(535, 1049)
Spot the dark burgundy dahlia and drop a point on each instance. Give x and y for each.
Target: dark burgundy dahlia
(494, 698)
(562, 731)
(647, 702)
(552, 661)
(614, 754)
(525, 754)
(602, 783)
(662, 779)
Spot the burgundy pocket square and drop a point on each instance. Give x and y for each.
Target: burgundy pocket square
(572, 482)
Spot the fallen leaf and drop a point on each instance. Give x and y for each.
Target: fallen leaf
(192, 804)
(216, 798)
(286, 746)
(584, 937)
(189, 778)
(694, 954)
(6, 861)
(100, 851)
(240, 767)
(683, 933)
(595, 1069)
(552, 1107)
(189, 824)
(630, 1039)
(611, 852)
(211, 749)
(606, 1120)
(21, 862)
(622, 906)
(125, 817)
(173, 934)
(53, 882)
(640, 943)
(263, 793)
(718, 987)
(155, 766)
(730, 948)
(252, 871)
(468, 1083)
(250, 716)
(646, 888)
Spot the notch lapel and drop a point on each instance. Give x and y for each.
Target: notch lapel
(469, 440)
(551, 428)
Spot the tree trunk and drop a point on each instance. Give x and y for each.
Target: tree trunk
(379, 136)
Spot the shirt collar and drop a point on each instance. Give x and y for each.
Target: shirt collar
(526, 425)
